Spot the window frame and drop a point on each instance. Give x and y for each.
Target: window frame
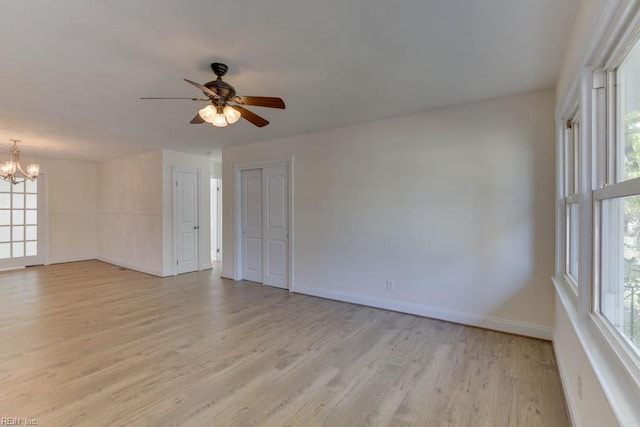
(609, 185)
(571, 150)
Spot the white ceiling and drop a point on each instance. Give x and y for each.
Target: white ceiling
(73, 71)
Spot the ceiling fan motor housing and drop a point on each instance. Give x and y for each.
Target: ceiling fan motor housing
(225, 91)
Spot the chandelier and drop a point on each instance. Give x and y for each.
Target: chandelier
(12, 171)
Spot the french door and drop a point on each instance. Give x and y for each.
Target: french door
(20, 223)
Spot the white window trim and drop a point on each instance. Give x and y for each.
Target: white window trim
(616, 368)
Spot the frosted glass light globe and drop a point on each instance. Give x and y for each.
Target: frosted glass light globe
(219, 120)
(207, 113)
(231, 114)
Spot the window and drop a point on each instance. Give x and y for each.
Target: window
(571, 199)
(617, 203)
(598, 209)
(19, 224)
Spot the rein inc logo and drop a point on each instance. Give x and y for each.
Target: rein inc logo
(18, 421)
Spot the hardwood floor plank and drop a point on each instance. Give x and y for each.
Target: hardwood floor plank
(92, 344)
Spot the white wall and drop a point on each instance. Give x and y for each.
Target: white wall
(130, 223)
(120, 211)
(216, 169)
(455, 205)
(588, 25)
(185, 162)
(592, 408)
(71, 193)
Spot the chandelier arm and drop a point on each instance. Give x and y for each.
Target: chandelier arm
(12, 179)
(21, 170)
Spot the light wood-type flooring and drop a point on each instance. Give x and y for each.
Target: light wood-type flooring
(92, 344)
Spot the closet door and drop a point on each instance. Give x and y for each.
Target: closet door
(275, 248)
(252, 225)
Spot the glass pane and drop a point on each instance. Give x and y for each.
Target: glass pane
(5, 250)
(5, 186)
(18, 249)
(5, 201)
(628, 150)
(32, 201)
(18, 201)
(18, 233)
(572, 147)
(31, 232)
(5, 217)
(572, 241)
(18, 217)
(5, 234)
(32, 217)
(32, 186)
(32, 249)
(620, 280)
(18, 188)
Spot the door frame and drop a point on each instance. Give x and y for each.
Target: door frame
(174, 172)
(218, 224)
(237, 217)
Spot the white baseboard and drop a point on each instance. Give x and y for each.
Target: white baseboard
(131, 267)
(62, 260)
(227, 275)
(206, 266)
(486, 322)
(564, 380)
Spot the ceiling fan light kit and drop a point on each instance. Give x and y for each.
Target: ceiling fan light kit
(220, 112)
(219, 116)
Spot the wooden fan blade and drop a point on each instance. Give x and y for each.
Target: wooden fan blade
(193, 99)
(260, 101)
(203, 88)
(197, 120)
(252, 117)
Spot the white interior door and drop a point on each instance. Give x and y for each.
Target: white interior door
(251, 224)
(216, 220)
(275, 226)
(186, 221)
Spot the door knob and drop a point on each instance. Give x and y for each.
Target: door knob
(196, 227)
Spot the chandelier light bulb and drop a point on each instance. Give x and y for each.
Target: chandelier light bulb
(33, 170)
(232, 115)
(207, 113)
(9, 168)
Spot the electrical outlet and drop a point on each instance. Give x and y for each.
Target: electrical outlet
(580, 386)
(391, 285)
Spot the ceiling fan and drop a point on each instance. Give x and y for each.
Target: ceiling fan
(225, 106)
